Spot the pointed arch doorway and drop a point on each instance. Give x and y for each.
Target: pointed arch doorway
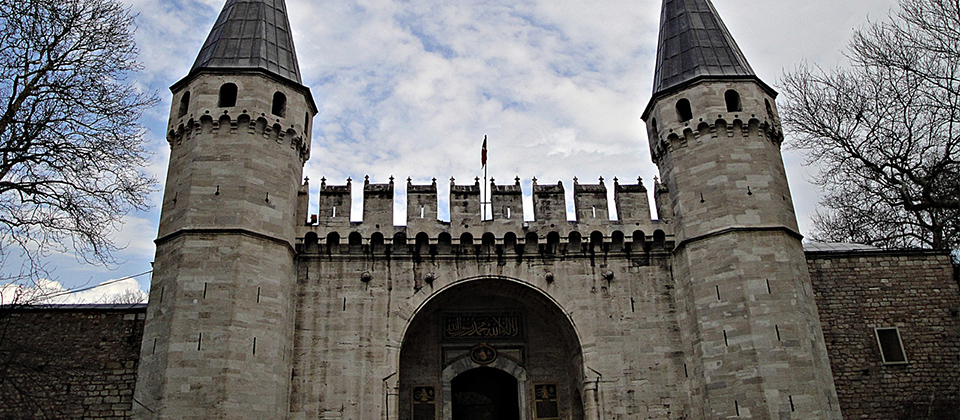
(490, 348)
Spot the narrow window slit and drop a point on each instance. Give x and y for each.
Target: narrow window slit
(632, 307)
(792, 407)
(254, 345)
(204, 290)
(725, 342)
(334, 211)
(736, 405)
(258, 295)
(768, 287)
(154, 346)
(161, 293)
(199, 341)
(344, 304)
(685, 373)
(777, 327)
(718, 292)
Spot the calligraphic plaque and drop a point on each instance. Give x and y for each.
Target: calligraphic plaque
(482, 326)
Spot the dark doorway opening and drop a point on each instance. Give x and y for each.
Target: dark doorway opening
(485, 394)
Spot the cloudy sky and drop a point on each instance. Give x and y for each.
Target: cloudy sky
(409, 88)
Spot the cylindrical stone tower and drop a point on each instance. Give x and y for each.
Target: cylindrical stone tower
(218, 334)
(746, 307)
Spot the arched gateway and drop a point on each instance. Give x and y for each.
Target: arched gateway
(490, 348)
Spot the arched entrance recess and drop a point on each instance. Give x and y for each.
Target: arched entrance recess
(485, 334)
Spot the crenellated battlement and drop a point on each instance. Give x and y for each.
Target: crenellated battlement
(711, 109)
(244, 122)
(331, 230)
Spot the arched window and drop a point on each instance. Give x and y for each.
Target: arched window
(659, 237)
(509, 240)
(596, 241)
(400, 238)
(488, 240)
(184, 104)
(531, 238)
(616, 240)
(311, 243)
(376, 240)
(422, 242)
(553, 241)
(355, 238)
(575, 239)
(684, 112)
(466, 239)
(333, 242)
(228, 95)
(279, 104)
(732, 99)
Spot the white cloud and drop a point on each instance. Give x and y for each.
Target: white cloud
(409, 88)
(46, 291)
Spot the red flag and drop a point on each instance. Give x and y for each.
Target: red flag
(483, 153)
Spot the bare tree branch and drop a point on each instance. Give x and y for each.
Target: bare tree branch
(71, 146)
(885, 132)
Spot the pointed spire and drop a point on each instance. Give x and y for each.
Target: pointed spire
(694, 43)
(251, 35)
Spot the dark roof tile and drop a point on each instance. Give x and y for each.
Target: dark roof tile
(251, 34)
(695, 43)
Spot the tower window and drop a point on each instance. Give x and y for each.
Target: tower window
(279, 104)
(769, 108)
(891, 347)
(184, 104)
(228, 95)
(733, 101)
(684, 112)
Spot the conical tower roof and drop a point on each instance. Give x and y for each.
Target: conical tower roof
(251, 35)
(694, 43)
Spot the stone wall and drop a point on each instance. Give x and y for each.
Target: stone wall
(858, 292)
(71, 361)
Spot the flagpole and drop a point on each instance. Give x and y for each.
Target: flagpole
(484, 200)
(486, 195)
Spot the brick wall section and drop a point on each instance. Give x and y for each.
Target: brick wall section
(914, 291)
(75, 361)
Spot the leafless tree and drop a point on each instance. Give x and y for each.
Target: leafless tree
(884, 132)
(71, 146)
(128, 296)
(71, 153)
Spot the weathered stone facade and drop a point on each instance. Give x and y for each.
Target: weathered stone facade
(69, 362)
(858, 292)
(260, 310)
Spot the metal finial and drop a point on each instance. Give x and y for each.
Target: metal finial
(601, 180)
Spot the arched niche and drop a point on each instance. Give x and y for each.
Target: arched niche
(531, 337)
